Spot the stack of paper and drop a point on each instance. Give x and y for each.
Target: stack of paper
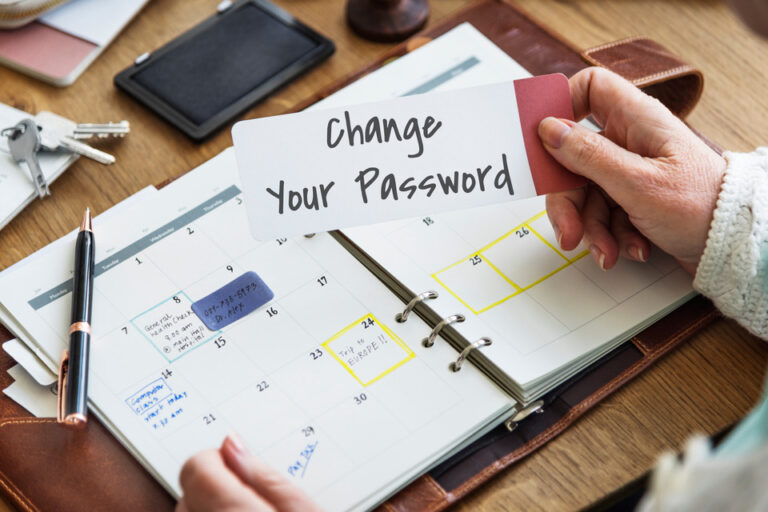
(35, 384)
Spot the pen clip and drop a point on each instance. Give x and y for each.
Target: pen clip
(63, 369)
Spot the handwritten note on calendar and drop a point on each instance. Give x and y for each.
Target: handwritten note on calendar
(416, 155)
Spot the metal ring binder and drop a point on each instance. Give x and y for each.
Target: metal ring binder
(536, 407)
(430, 340)
(402, 317)
(482, 342)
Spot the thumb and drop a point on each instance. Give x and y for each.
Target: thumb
(582, 151)
(275, 488)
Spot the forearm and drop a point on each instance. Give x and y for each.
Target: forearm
(733, 270)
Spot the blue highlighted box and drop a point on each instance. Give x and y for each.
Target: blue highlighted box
(233, 301)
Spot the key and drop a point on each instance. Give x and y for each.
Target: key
(24, 143)
(54, 135)
(81, 148)
(101, 130)
(81, 131)
(53, 142)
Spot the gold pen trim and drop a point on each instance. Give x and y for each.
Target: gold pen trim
(87, 223)
(81, 327)
(75, 420)
(63, 368)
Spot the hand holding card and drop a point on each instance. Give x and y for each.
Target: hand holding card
(416, 155)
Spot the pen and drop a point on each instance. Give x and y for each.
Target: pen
(73, 373)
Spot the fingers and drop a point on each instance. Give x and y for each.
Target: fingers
(208, 486)
(606, 229)
(596, 217)
(629, 117)
(232, 479)
(617, 171)
(181, 506)
(596, 91)
(564, 212)
(632, 245)
(274, 487)
(659, 174)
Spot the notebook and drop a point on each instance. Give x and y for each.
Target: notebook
(322, 381)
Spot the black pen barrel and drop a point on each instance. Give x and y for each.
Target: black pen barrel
(75, 392)
(76, 388)
(82, 291)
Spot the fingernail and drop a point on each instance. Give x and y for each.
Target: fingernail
(553, 131)
(638, 253)
(598, 255)
(237, 444)
(558, 236)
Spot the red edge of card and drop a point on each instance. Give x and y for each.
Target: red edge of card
(537, 98)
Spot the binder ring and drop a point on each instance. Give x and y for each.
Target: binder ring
(480, 343)
(536, 407)
(402, 317)
(430, 340)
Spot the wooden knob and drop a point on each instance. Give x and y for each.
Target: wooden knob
(387, 20)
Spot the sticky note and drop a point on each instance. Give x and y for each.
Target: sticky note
(406, 157)
(233, 301)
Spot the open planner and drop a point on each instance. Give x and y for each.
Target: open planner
(326, 382)
(498, 271)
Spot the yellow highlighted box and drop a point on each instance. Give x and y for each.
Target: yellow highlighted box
(368, 349)
(497, 295)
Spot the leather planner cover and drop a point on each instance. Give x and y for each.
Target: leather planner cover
(46, 467)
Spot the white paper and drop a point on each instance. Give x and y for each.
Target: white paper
(37, 399)
(97, 21)
(34, 367)
(311, 171)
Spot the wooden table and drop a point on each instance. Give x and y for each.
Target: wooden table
(702, 387)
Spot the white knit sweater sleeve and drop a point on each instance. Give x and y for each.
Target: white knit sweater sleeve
(733, 270)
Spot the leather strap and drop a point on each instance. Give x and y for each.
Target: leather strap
(653, 68)
(642, 61)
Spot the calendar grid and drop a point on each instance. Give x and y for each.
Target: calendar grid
(392, 336)
(521, 230)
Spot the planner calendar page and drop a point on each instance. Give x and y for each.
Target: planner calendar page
(547, 311)
(321, 381)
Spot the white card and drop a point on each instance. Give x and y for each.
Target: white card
(27, 359)
(416, 155)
